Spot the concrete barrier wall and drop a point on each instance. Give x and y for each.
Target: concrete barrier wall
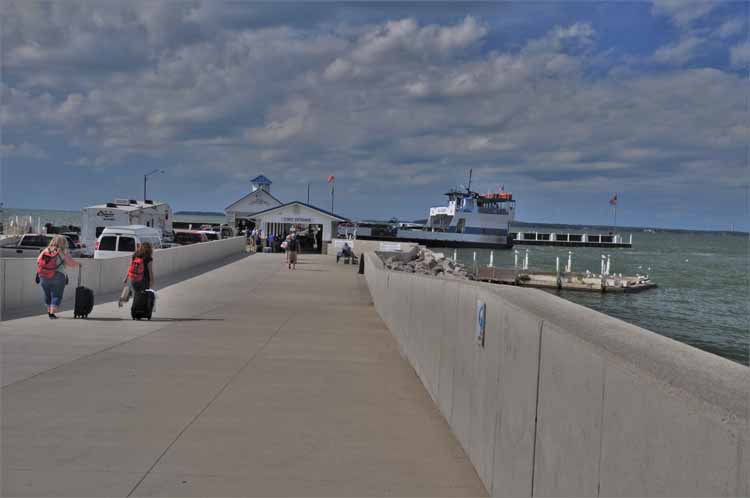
(18, 290)
(565, 401)
(364, 246)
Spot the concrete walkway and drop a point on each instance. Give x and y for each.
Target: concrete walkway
(251, 381)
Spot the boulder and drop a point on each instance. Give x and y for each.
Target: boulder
(421, 260)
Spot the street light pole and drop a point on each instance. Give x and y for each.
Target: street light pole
(145, 179)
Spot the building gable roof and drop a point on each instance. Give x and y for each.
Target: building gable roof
(257, 193)
(308, 206)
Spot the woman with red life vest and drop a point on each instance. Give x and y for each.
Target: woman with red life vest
(50, 266)
(140, 272)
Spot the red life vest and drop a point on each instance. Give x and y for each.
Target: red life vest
(48, 264)
(136, 270)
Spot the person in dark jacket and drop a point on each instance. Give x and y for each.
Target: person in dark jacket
(293, 248)
(140, 274)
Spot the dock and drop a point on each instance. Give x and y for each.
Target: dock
(251, 380)
(568, 239)
(564, 280)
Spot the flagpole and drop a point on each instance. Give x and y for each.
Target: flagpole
(614, 207)
(333, 188)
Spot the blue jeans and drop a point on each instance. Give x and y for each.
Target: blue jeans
(53, 289)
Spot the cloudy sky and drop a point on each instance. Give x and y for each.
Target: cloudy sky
(562, 102)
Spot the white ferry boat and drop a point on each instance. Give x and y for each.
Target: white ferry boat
(469, 220)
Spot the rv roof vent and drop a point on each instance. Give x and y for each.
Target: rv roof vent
(148, 201)
(111, 205)
(133, 201)
(122, 202)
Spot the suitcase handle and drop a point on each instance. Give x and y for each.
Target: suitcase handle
(80, 268)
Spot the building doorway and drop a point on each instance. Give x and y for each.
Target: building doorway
(244, 226)
(311, 239)
(310, 236)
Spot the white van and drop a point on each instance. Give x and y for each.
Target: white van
(121, 241)
(120, 213)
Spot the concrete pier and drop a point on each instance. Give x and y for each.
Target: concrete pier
(549, 398)
(251, 381)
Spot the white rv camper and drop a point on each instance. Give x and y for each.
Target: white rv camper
(122, 212)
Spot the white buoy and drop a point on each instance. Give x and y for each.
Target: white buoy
(492, 258)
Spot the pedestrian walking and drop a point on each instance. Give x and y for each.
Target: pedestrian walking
(293, 248)
(140, 274)
(50, 272)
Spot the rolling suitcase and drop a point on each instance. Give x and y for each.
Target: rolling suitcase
(143, 305)
(84, 299)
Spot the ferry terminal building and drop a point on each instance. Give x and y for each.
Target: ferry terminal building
(260, 209)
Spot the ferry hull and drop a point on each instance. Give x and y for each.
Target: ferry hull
(443, 239)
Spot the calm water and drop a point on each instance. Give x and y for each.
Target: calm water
(703, 297)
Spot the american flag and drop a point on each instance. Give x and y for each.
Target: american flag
(613, 200)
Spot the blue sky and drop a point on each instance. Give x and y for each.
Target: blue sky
(562, 102)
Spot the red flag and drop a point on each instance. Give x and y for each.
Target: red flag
(331, 178)
(613, 200)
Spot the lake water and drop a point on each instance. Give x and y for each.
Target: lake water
(703, 298)
(703, 293)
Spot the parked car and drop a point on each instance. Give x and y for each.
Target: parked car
(26, 246)
(121, 241)
(227, 232)
(74, 243)
(187, 237)
(210, 234)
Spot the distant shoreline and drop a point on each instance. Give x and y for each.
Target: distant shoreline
(515, 224)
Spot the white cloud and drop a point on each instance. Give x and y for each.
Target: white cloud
(363, 101)
(678, 53)
(740, 55)
(683, 12)
(731, 28)
(23, 150)
(407, 37)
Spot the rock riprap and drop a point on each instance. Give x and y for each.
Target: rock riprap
(423, 261)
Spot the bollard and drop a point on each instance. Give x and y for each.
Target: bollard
(601, 271)
(515, 260)
(569, 268)
(492, 258)
(475, 262)
(607, 264)
(361, 264)
(526, 260)
(455, 255)
(557, 264)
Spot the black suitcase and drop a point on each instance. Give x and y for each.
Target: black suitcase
(84, 300)
(143, 305)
